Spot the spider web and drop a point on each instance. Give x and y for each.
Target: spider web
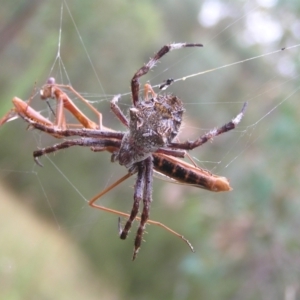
(260, 157)
(266, 104)
(246, 135)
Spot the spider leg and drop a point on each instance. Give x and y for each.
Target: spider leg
(95, 144)
(117, 111)
(84, 132)
(137, 197)
(147, 199)
(135, 86)
(189, 145)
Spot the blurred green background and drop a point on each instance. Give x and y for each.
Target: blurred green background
(53, 246)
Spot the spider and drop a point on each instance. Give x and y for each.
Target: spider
(153, 124)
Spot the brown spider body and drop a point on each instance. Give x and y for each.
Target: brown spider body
(153, 124)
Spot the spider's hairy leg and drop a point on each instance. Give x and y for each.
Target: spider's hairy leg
(117, 111)
(137, 197)
(189, 145)
(83, 132)
(96, 145)
(151, 63)
(147, 199)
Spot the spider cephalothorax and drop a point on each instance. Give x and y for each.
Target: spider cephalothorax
(153, 124)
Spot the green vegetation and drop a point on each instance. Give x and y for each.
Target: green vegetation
(53, 246)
